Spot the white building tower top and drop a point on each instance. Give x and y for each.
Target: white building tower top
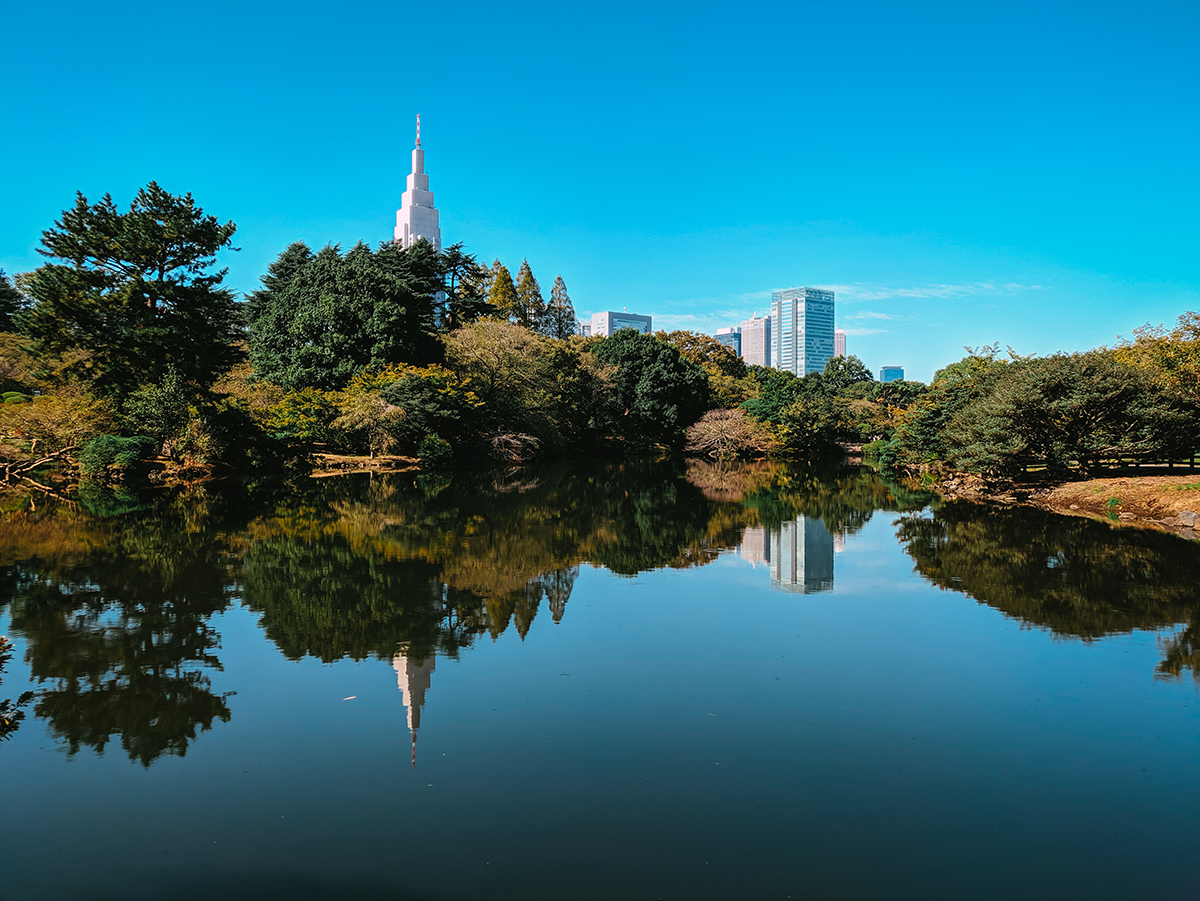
(417, 216)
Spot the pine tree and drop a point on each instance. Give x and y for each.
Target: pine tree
(503, 293)
(532, 306)
(559, 321)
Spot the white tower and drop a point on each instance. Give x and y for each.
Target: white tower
(417, 216)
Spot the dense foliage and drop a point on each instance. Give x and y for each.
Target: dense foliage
(128, 333)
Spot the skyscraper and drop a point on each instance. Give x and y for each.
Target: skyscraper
(839, 343)
(730, 337)
(891, 374)
(756, 340)
(417, 217)
(801, 329)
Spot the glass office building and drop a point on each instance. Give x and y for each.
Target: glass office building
(730, 337)
(891, 374)
(801, 329)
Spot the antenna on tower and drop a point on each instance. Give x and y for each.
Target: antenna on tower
(418, 129)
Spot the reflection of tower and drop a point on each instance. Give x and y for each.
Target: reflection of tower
(413, 680)
(839, 542)
(755, 548)
(802, 556)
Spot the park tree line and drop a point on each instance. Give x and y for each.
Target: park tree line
(125, 349)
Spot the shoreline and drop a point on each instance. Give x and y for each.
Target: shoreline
(1165, 503)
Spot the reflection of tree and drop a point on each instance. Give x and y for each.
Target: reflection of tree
(116, 614)
(1073, 576)
(11, 711)
(328, 598)
(844, 498)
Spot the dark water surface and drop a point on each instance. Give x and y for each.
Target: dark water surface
(628, 681)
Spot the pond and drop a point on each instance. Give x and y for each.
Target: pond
(634, 680)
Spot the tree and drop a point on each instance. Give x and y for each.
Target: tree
(727, 435)
(1069, 408)
(706, 351)
(842, 372)
(320, 318)
(12, 302)
(134, 292)
(502, 295)
(531, 306)
(659, 392)
(463, 286)
(559, 319)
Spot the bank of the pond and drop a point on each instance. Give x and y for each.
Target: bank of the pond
(1166, 503)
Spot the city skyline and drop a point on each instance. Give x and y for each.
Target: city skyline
(973, 181)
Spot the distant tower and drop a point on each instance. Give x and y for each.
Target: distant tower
(417, 216)
(756, 340)
(801, 329)
(839, 343)
(413, 680)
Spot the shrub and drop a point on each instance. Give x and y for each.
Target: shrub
(114, 456)
(435, 452)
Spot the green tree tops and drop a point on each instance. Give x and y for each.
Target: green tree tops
(659, 392)
(559, 319)
(320, 318)
(531, 306)
(12, 301)
(135, 293)
(502, 295)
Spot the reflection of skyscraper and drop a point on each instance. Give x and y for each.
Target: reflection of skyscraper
(801, 556)
(755, 548)
(413, 680)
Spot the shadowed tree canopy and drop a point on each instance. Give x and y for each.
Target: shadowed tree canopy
(531, 306)
(463, 287)
(135, 292)
(320, 318)
(659, 393)
(559, 321)
(12, 302)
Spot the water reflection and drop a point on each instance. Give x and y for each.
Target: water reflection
(117, 613)
(1075, 577)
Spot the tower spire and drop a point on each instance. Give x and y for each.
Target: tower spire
(418, 129)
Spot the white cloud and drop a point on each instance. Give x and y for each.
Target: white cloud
(864, 291)
(869, 314)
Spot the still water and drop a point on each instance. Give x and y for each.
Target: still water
(628, 681)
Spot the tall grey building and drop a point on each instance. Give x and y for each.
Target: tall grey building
(756, 340)
(801, 329)
(839, 343)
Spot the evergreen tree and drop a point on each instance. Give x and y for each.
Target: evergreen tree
(12, 301)
(320, 318)
(559, 320)
(135, 291)
(502, 296)
(463, 287)
(531, 304)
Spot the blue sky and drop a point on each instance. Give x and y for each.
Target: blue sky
(961, 173)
